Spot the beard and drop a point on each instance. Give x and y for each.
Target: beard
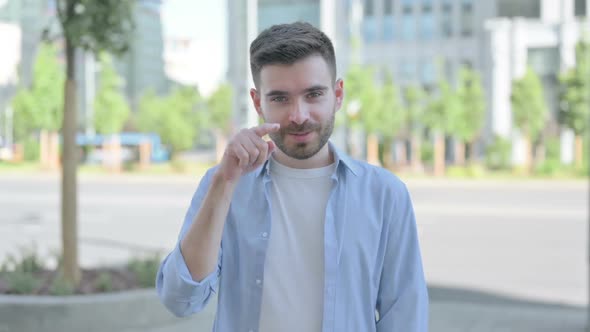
(304, 150)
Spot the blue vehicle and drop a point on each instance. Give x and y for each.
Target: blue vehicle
(130, 143)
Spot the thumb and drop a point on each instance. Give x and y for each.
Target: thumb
(271, 147)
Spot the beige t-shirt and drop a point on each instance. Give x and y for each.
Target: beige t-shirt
(293, 289)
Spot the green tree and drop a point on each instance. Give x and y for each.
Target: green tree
(575, 97)
(96, 26)
(469, 122)
(414, 104)
(40, 106)
(441, 112)
(219, 105)
(177, 118)
(382, 116)
(529, 110)
(359, 83)
(111, 109)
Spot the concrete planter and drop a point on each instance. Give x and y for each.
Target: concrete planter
(130, 311)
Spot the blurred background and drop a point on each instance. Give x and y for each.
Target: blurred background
(481, 106)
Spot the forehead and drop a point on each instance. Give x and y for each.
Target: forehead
(310, 71)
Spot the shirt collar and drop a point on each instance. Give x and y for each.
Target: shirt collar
(339, 158)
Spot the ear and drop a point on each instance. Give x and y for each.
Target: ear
(256, 101)
(339, 92)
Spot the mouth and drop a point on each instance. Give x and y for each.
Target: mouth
(301, 136)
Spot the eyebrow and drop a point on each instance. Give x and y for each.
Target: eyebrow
(284, 93)
(276, 93)
(316, 88)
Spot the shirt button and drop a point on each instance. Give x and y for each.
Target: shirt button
(258, 281)
(265, 234)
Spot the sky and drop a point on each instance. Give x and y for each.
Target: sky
(203, 21)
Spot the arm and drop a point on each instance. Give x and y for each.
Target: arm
(184, 292)
(188, 276)
(402, 301)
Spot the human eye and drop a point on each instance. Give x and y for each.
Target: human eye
(314, 94)
(278, 99)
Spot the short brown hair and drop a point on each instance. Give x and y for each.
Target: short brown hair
(288, 43)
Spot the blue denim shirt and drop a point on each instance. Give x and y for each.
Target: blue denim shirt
(373, 278)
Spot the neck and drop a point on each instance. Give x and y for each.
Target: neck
(324, 157)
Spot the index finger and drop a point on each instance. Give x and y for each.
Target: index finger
(266, 128)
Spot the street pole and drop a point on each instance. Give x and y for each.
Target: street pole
(89, 75)
(252, 32)
(8, 134)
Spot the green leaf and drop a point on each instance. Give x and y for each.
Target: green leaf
(111, 110)
(528, 105)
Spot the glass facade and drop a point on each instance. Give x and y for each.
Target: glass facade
(580, 9)
(387, 7)
(369, 9)
(370, 30)
(446, 19)
(408, 29)
(389, 29)
(521, 8)
(278, 12)
(427, 71)
(466, 19)
(427, 26)
(407, 69)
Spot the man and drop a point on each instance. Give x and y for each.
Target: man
(295, 234)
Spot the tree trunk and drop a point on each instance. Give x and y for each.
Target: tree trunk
(387, 154)
(579, 152)
(416, 153)
(439, 154)
(373, 150)
(540, 154)
(220, 143)
(468, 152)
(116, 153)
(528, 152)
(53, 154)
(401, 153)
(69, 197)
(44, 149)
(460, 153)
(145, 154)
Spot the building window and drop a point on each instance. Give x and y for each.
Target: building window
(544, 60)
(276, 13)
(466, 18)
(370, 29)
(580, 9)
(427, 26)
(428, 72)
(388, 28)
(521, 8)
(446, 19)
(408, 27)
(388, 7)
(408, 70)
(408, 6)
(369, 7)
(426, 5)
(449, 69)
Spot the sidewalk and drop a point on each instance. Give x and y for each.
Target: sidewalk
(453, 310)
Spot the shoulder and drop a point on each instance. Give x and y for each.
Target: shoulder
(378, 178)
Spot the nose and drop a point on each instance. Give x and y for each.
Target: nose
(299, 113)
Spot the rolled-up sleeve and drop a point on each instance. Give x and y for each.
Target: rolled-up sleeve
(402, 301)
(175, 286)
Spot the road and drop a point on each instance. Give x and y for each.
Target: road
(508, 244)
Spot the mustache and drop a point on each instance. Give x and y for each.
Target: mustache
(302, 128)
